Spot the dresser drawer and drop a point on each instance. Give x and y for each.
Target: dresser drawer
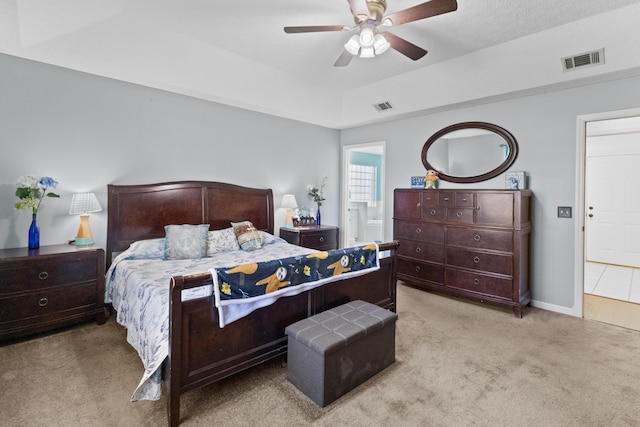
(44, 274)
(46, 302)
(477, 282)
(419, 270)
(435, 213)
(460, 215)
(494, 263)
(424, 232)
(481, 239)
(421, 250)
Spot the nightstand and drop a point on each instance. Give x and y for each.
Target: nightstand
(322, 237)
(50, 287)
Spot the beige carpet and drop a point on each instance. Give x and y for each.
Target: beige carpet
(458, 364)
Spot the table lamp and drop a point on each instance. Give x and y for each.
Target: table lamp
(82, 204)
(289, 202)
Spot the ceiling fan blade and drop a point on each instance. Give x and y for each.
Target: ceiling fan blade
(315, 28)
(406, 48)
(344, 59)
(359, 9)
(421, 11)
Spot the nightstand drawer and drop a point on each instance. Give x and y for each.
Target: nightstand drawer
(320, 240)
(46, 274)
(53, 300)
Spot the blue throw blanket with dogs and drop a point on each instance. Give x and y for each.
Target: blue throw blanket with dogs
(241, 289)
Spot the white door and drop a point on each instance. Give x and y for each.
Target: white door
(613, 209)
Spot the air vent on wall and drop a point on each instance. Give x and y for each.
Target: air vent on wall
(383, 106)
(583, 60)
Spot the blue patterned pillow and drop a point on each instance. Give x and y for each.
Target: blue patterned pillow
(185, 241)
(249, 238)
(222, 241)
(146, 249)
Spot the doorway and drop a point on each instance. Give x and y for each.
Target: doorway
(363, 201)
(610, 249)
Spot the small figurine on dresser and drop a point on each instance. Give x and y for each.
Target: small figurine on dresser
(431, 179)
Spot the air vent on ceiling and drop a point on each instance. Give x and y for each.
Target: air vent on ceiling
(583, 60)
(383, 106)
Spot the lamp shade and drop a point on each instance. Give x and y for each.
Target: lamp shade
(84, 203)
(289, 201)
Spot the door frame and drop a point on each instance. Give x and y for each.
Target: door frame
(579, 224)
(344, 203)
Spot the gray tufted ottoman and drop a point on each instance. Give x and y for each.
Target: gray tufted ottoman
(336, 350)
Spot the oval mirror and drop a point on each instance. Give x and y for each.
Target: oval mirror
(470, 152)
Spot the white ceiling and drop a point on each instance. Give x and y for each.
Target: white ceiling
(236, 52)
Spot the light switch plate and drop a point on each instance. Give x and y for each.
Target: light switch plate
(564, 211)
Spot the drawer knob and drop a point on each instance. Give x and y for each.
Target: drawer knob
(476, 260)
(464, 200)
(321, 239)
(446, 199)
(459, 214)
(418, 230)
(476, 237)
(476, 281)
(432, 212)
(417, 268)
(43, 275)
(418, 249)
(43, 302)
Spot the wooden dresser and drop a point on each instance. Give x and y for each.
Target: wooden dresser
(49, 287)
(468, 243)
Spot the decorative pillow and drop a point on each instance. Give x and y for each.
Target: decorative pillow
(146, 249)
(249, 238)
(185, 241)
(222, 241)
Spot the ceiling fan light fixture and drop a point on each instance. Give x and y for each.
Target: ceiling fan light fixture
(380, 45)
(366, 37)
(367, 52)
(353, 45)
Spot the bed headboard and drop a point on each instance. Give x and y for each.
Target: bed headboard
(138, 212)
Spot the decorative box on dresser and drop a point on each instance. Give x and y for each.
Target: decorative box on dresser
(468, 243)
(320, 237)
(50, 287)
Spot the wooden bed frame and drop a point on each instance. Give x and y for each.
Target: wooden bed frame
(201, 353)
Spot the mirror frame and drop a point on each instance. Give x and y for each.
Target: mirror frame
(505, 134)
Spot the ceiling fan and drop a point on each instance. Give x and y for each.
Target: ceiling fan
(369, 15)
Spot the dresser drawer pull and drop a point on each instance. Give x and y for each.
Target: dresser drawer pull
(476, 260)
(464, 200)
(418, 249)
(476, 237)
(321, 239)
(43, 302)
(43, 275)
(432, 212)
(446, 199)
(476, 281)
(417, 268)
(459, 214)
(418, 230)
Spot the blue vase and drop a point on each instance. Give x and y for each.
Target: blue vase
(34, 234)
(318, 216)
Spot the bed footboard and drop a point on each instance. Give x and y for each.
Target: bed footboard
(200, 352)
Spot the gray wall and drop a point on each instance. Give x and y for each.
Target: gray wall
(87, 131)
(545, 128)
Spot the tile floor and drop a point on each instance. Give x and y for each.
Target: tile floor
(612, 281)
(612, 294)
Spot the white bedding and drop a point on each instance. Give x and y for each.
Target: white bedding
(137, 285)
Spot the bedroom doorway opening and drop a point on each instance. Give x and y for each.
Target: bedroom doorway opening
(363, 201)
(610, 262)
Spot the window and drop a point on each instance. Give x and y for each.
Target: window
(362, 183)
